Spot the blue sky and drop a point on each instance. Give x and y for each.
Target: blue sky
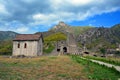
(30, 16)
(105, 19)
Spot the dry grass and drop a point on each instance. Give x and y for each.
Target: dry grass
(41, 68)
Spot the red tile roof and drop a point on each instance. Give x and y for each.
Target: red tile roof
(27, 37)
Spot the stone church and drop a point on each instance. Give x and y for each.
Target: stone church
(28, 45)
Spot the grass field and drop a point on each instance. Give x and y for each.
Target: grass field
(53, 68)
(41, 68)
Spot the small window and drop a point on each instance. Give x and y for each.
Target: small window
(18, 45)
(25, 46)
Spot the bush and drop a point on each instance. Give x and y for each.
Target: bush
(49, 49)
(6, 47)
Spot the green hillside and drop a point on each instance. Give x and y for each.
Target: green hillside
(50, 40)
(56, 37)
(80, 29)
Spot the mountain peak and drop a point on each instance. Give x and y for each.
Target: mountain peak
(61, 23)
(62, 26)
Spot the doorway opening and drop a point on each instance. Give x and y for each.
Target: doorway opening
(65, 49)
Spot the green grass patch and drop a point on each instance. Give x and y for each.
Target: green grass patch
(53, 57)
(62, 75)
(49, 49)
(95, 71)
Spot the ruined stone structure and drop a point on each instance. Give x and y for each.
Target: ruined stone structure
(62, 47)
(69, 46)
(72, 46)
(28, 45)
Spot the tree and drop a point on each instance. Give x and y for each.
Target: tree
(117, 53)
(103, 51)
(6, 47)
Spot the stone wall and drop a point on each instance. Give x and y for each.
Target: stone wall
(72, 46)
(40, 47)
(31, 49)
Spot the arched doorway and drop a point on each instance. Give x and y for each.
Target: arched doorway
(86, 52)
(58, 50)
(65, 49)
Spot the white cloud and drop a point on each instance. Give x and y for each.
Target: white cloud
(80, 2)
(44, 18)
(28, 1)
(47, 19)
(14, 26)
(48, 12)
(22, 29)
(3, 9)
(71, 10)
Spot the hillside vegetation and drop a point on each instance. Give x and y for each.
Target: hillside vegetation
(6, 47)
(77, 30)
(6, 38)
(96, 38)
(50, 41)
(55, 37)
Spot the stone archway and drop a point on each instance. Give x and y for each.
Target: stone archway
(65, 49)
(86, 53)
(58, 50)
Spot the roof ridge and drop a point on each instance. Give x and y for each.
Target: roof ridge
(24, 37)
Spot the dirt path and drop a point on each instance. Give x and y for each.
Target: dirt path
(106, 64)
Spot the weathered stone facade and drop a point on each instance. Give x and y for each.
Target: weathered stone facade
(69, 46)
(72, 45)
(28, 45)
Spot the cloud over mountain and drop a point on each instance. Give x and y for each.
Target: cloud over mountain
(31, 13)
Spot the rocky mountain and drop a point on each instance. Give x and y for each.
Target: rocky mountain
(63, 27)
(92, 37)
(100, 37)
(116, 31)
(7, 35)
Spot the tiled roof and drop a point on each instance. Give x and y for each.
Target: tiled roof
(27, 37)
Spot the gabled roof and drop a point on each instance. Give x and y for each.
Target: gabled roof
(27, 37)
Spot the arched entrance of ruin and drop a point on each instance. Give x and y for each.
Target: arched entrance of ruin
(86, 52)
(58, 50)
(62, 49)
(65, 49)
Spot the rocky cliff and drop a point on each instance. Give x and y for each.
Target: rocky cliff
(99, 37)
